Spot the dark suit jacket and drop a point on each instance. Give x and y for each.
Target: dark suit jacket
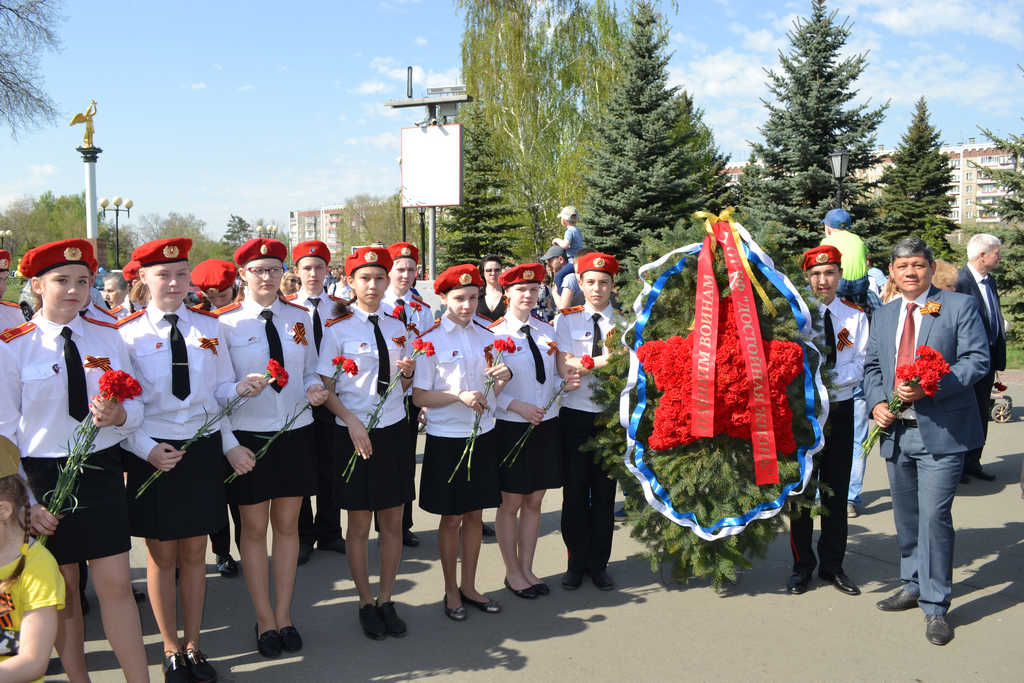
(949, 420)
(966, 284)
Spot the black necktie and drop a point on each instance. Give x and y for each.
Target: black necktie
(179, 360)
(318, 326)
(538, 362)
(830, 340)
(383, 359)
(995, 323)
(401, 315)
(78, 399)
(274, 342)
(595, 346)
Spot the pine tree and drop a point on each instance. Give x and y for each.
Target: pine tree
(635, 178)
(788, 181)
(914, 200)
(238, 233)
(1010, 207)
(705, 187)
(484, 223)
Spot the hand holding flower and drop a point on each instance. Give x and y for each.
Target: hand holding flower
(242, 459)
(883, 416)
(42, 521)
(317, 395)
(407, 366)
(251, 385)
(474, 400)
(527, 411)
(164, 457)
(573, 380)
(908, 393)
(360, 438)
(107, 412)
(500, 372)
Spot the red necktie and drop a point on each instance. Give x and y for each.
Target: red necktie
(905, 354)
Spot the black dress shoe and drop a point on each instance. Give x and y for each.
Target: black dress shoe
(175, 670)
(602, 580)
(842, 582)
(394, 625)
(337, 545)
(488, 530)
(198, 667)
(937, 629)
(291, 641)
(227, 566)
(409, 539)
(305, 552)
(140, 596)
(486, 606)
(373, 625)
(541, 588)
(897, 602)
(798, 583)
(526, 593)
(978, 473)
(268, 642)
(572, 579)
(453, 613)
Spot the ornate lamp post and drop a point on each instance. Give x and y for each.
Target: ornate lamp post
(267, 231)
(840, 160)
(4, 234)
(118, 207)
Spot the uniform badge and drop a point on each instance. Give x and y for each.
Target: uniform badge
(299, 334)
(599, 262)
(159, 345)
(170, 251)
(527, 274)
(843, 340)
(264, 249)
(56, 368)
(821, 258)
(370, 257)
(465, 279)
(252, 340)
(312, 250)
(73, 254)
(406, 251)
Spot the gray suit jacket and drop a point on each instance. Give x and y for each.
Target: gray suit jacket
(949, 421)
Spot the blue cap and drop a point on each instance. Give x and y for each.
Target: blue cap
(838, 219)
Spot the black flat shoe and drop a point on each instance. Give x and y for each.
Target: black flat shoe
(198, 667)
(937, 629)
(486, 606)
(541, 588)
(373, 625)
(979, 473)
(175, 670)
(572, 579)
(602, 580)
(525, 593)
(409, 539)
(897, 602)
(456, 613)
(268, 642)
(798, 583)
(291, 641)
(305, 552)
(337, 545)
(842, 582)
(394, 625)
(227, 566)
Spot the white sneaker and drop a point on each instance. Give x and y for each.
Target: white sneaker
(851, 510)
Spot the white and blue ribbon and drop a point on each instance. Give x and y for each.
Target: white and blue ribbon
(657, 495)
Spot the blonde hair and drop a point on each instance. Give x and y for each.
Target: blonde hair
(13, 490)
(945, 274)
(139, 294)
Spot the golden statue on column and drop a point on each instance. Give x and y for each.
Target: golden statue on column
(86, 118)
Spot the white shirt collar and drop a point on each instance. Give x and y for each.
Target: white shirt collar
(156, 316)
(605, 312)
(52, 329)
(920, 301)
(978, 277)
(304, 296)
(250, 306)
(447, 324)
(364, 316)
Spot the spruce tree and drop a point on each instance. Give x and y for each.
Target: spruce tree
(238, 233)
(705, 186)
(914, 200)
(635, 180)
(789, 181)
(484, 223)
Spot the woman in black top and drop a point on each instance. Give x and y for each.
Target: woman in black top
(491, 304)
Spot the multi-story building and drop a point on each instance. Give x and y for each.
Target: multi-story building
(317, 224)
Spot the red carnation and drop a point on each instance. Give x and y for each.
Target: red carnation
(397, 311)
(119, 385)
(277, 373)
(415, 306)
(587, 362)
(505, 345)
(427, 348)
(999, 386)
(347, 364)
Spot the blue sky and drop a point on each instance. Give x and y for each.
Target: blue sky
(256, 108)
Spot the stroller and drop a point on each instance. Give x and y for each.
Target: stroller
(1001, 404)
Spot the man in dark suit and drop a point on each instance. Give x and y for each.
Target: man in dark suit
(976, 279)
(925, 443)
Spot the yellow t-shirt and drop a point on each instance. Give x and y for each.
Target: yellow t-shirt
(40, 585)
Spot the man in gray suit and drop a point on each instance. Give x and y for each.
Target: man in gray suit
(925, 444)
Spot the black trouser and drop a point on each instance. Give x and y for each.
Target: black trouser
(221, 540)
(588, 496)
(327, 525)
(983, 394)
(832, 466)
(412, 414)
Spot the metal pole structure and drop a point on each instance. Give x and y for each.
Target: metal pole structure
(839, 193)
(402, 209)
(423, 236)
(433, 242)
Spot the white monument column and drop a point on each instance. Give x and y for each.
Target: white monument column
(432, 241)
(89, 157)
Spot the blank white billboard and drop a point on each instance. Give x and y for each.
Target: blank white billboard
(432, 165)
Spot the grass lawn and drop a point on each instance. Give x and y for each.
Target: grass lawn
(1015, 357)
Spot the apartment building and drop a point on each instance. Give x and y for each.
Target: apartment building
(317, 224)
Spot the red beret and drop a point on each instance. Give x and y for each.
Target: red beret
(595, 260)
(260, 247)
(162, 251)
(310, 248)
(130, 271)
(45, 257)
(368, 256)
(404, 250)
(522, 274)
(5, 259)
(820, 256)
(214, 273)
(458, 276)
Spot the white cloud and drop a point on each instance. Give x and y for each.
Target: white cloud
(420, 40)
(199, 86)
(388, 67)
(379, 141)
(40, 171)
(371, 88)
(760, 40)
(686, 42)
(245, 88)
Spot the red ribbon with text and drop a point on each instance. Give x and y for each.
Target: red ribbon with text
(705, 322)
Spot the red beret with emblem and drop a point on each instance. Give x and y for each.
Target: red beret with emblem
(526, 273)
(310, 248)
(46, 257)
(404, 250)
(213, 273)
(162, 251)
(820, 256)
(464, 275)
(130, 271)
(368, 256)
(260, 247)
(5, 259)
(595, 260)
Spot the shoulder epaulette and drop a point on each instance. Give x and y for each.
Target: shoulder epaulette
(338, 319)
(340, 298)
(418, 299)
(104, 311)
(437, 324)
(388, 315)
(298, 306)
(289, 297)
(571, 309)
(14, 332)
(482, 327)
(198, 308)
(128, 318)
(496, 322)
(224, 309)
(94, 321)
(116, 310)
(853, 305)
(212, 314)
(8, 303)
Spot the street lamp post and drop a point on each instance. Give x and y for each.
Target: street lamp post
(118, 207)
(4, 234)
(267, 231)
(840, 160)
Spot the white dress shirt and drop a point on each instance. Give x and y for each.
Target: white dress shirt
(849, 370)
(352, 336)
(574, 333)
(980, 280)
(246, 339)
(10, 315)
(210, 373)
(458, 364)
(121, 310)
(324, 306)
(909, 413)
(523, 386)
(103, 313)
(417, 312)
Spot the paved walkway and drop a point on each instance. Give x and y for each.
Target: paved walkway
(648, 629)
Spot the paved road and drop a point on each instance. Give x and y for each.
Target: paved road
(648, 629)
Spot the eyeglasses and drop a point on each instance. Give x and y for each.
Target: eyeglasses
(492, 270)
(265, 272)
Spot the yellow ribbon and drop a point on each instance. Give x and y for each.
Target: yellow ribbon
(726, 217)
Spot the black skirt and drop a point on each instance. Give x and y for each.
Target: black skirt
(475, 489)
(538, 465)
(185, 502)
(288, 468)
(98, 527)
(381, 482)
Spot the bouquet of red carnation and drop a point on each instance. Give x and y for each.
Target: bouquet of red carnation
(501, 346)
(926, 371)
(419, 348)
(275, 374)
(115, 385)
